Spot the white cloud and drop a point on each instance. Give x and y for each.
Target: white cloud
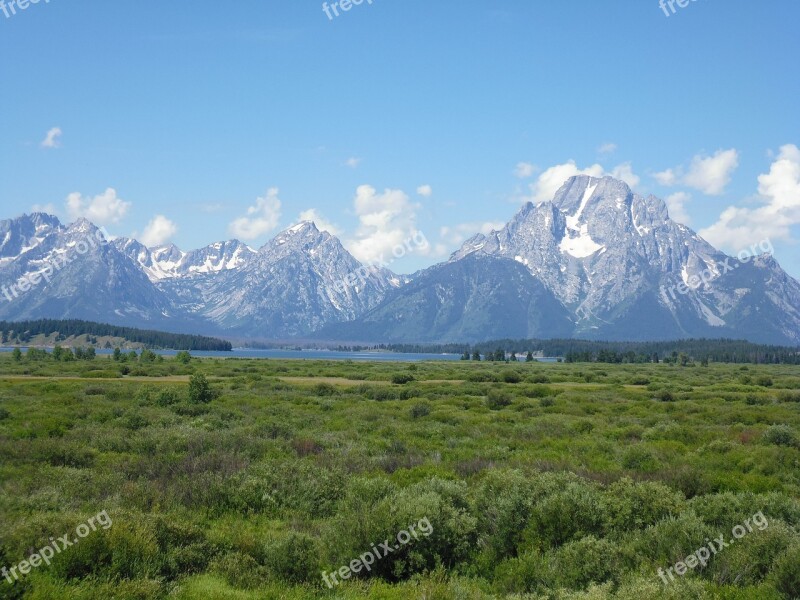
(104, 209)
(779, 191)
(261, 218)
(158, 231)
(523, 170)
(312, 214)
(457, 234)
(708, 174)
(676, 204)
(607, 148)
(667, 177)
(626, 174)
(425, 190)
(51, 140)
(386, 221)
(352, 162)
(548, 183)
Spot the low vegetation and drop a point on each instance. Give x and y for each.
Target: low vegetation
(247, 479)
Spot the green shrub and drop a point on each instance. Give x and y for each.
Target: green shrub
(510, 376)
(764, 381)
(420, 410)
(199, 389)
(638, 458)
(294, 559)
(575, 511)
(537, 391)
(785, 575)
(503, 502)
(374, 511)
(497, 399)
(324, 389)
(240, 570)
(665, 396)
(482, 377)
(4, 414)
(402, 378)
(167, 397)
(789, 396)
(780, 435)
(585, 561)
(635, 505)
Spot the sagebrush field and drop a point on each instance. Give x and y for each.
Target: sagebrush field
(538, 480)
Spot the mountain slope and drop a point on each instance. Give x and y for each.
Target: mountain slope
(473, 299)
(615, 260)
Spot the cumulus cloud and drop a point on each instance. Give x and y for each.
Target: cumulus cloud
(105, 209)
(779, 195)
(667, 177)
(676, 204)
(158, 231)
(607, 148)
(708, 174)
(261, 218)
(51, 140)
(386, 221)
(425, 191)
(457, 234)
(523, 170)
(626, 174)
(548, 183)
(312, 214)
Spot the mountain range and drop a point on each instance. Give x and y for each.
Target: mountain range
(598, 261)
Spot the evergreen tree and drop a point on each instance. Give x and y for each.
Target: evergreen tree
(529, 357)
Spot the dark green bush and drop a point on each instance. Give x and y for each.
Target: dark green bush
(497, 399)
(402, 378)
(293, 559)
(510, 376)
(420, 410)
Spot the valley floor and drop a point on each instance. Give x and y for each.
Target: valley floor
(252, 479)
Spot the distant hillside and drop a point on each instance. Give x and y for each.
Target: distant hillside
(47, 331)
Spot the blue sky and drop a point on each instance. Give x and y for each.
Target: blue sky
(203, 121)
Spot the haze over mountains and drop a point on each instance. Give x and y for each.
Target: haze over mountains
(597, 262)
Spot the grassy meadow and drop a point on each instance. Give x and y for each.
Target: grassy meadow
(562, 481)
